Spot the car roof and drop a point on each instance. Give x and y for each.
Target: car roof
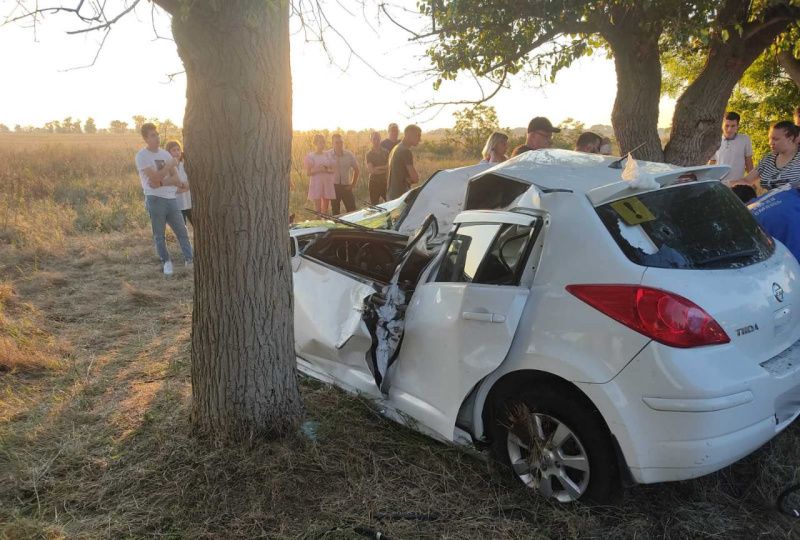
(581, 172)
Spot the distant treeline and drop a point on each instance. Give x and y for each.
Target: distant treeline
(471, 128)
(88, 126)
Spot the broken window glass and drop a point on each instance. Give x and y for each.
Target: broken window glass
(688, 226)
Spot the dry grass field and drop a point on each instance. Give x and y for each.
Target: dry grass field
(95, 389)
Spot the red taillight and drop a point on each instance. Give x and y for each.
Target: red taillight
(663, 316)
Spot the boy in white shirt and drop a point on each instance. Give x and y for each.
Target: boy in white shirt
(159, 182)
(735, 149)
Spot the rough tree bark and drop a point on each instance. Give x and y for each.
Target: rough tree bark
(635, 112)
(791, 65)
(237, 131)
(695, 123)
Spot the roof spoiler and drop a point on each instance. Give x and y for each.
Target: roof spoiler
(621, 189)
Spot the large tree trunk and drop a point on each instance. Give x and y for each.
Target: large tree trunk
(237, 132)
(699, 111)
(635, 112)
(791, 65)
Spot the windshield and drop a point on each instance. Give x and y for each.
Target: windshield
(380, 216)
(694, 226)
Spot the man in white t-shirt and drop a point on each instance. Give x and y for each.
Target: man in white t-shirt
(157, 173)
(735, 149)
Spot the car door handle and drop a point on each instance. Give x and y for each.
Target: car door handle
(483, 317)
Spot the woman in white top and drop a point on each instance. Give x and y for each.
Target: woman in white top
(494, 151)
(183, 196)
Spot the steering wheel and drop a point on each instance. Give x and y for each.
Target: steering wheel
(368, 254)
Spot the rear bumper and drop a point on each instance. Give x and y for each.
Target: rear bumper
(673, 423)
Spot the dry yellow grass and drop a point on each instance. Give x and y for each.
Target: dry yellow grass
(98, 443)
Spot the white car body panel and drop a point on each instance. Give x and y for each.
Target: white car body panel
(448, 347)
(674, 413)
(443, 197)
(323, 337)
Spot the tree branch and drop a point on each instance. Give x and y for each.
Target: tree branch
(107, 23)
(791, 65)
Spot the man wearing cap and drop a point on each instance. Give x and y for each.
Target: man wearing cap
(540, 135)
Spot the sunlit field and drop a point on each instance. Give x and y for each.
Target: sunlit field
(95, 392)
(56, 185)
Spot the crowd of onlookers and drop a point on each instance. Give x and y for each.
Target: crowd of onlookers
(780, 167)
(333, 173)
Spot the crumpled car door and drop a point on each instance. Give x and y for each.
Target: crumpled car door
(460, 324)
(328, 328)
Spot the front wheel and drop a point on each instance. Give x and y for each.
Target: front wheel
(555, 443)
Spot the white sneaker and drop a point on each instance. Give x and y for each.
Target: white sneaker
(168, 268)
(188, 264)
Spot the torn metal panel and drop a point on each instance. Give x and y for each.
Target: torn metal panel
(384, 312)
(353, 320)
(327, 315)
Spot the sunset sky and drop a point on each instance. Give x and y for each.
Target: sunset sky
(130, 77)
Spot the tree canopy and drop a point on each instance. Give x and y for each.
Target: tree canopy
(543, 37)
(767, 93)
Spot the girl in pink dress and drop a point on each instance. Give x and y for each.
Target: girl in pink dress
(319, 167)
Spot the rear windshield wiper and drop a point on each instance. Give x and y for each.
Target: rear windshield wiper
(736, 255)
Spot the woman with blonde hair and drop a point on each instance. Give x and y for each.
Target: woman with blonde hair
(494, 151)
(319, 167)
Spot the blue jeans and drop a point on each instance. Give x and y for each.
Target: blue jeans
(163, 211)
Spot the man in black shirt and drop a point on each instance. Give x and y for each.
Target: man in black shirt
(394, 138)
(402, 173)
(377, 159)
(540, 135)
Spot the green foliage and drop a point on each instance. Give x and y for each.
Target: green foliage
(765, 95)
(545, 37)
(89, 126)
(118, 126)
(473, 126)
(570, 130)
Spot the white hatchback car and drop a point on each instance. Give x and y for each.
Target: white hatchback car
(588, 330)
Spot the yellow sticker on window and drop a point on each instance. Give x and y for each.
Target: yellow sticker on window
(633, 211)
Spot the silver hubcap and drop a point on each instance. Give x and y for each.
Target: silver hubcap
(547, 456)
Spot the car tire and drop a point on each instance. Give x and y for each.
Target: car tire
(555, 442)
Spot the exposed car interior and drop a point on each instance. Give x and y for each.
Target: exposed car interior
(371, 254)
(493, 192)
(505, 247)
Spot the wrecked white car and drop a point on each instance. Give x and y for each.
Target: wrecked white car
(589, 329)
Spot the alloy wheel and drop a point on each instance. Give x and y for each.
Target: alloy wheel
(547, 456)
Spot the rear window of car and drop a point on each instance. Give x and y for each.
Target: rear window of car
(691, 226)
